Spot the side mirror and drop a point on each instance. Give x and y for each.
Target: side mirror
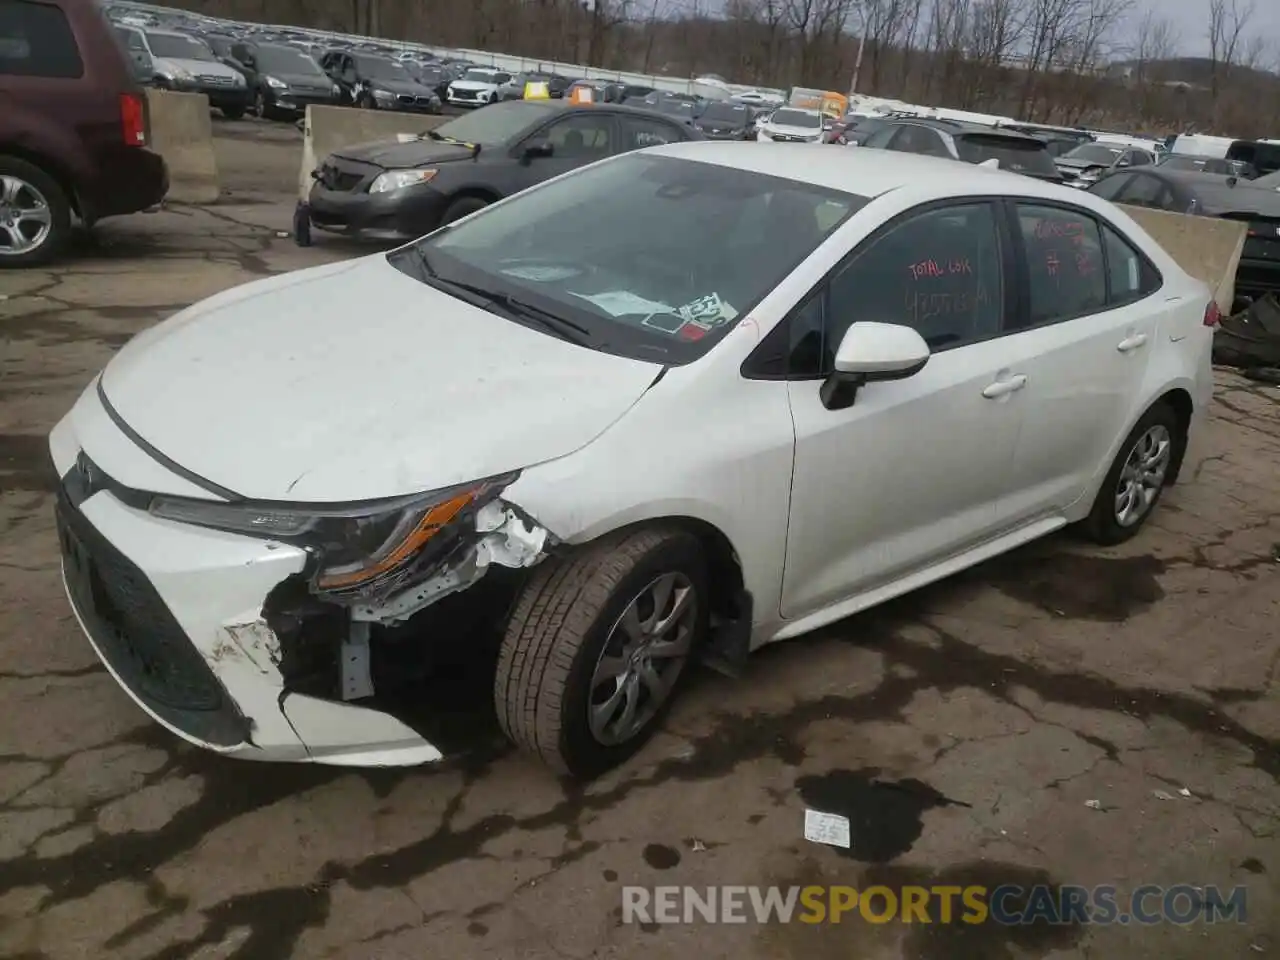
(1124, 163)
(869, 353)
(538, 148)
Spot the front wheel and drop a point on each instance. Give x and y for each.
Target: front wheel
(597, 646)
(233, 113)
(462, 207)
(1137, 477)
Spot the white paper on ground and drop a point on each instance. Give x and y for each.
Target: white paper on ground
(829, 828)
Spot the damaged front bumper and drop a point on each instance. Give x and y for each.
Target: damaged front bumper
(216, 637)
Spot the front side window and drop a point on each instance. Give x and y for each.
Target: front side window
(646, 256)
(585, 135)
(922, 140)
(1064, 263)
(36, 41)
(1147, 191)
(880, 139)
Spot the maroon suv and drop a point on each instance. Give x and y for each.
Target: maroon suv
(74, 128)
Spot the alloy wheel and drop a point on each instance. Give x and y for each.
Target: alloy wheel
(26, 219)
(1143, 475)
(642, 659)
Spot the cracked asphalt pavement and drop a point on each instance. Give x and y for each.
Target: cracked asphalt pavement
(1035, 719)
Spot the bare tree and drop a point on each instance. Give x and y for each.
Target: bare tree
(1227, 22)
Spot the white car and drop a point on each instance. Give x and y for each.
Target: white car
(477, 87)
(783, 394)
(792, 125)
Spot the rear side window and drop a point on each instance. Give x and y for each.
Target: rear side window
(36, 41)
(1065, 267)
(1129, 276)
(1015, 154)
(641, 132)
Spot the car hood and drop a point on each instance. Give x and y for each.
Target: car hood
(783, 130)
(206, 68)
(393, 155)
(305, 81)
(353, 381)
(400, 86)
(474, 85)
(1074, 163)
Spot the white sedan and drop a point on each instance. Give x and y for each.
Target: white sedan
(679, 404)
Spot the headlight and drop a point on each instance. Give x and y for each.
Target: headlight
(337, 90)
(178, 73)
(399, 179)
(383, 95)
(355, 544)
(275, 83)
(238, 80)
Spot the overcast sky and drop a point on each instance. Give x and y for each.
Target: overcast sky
(1192, 20)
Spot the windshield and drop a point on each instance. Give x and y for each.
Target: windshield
(703, 244)
(376, 68)
(1198, 164)
(480, 76)
(1094, 153)
(681, 108)
(497, 123)
(796, 118)
(1015, 154)
(286, 60)
(178, 48)
(726, 113)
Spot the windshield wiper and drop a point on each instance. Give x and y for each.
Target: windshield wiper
(482, 297)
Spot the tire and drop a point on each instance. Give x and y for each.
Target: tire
(34, 188)
(233, 113)
(366, 102)
(462, 207)
(1104, 525)
(260, 108)
(565, 618)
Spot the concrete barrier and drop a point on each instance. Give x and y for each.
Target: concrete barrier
(182, 133)
(328, 128)
(1206, 247)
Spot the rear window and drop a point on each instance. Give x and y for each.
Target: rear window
(36, 41)
(1017, 155)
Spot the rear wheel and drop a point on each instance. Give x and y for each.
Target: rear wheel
(597, 646)
(233, 113)
(35, 214)
(260, 105)
(1137, 477)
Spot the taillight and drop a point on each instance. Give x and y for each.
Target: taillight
(133, 120)
(1212, 314)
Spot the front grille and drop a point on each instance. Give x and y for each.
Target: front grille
(340, 181)
(405, 98)
(424, 101)
(137, 635)
(465, 94)
(216, 81)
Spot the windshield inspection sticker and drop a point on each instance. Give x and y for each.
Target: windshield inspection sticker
(708, 311)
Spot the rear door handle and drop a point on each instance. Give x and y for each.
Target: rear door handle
(1002, 388)
(1129, 344)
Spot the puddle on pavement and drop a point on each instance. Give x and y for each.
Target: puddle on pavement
(25, 463)
(885, 816)
(661, 857)
(1076, 586)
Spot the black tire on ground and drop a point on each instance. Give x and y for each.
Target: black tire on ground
(558, 628)
(366, 102)
(462, 207)
(233, 113)
(1102, 525)
(59, 209)
(260, 108)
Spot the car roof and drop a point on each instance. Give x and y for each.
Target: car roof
(968, 126)
(869, 173)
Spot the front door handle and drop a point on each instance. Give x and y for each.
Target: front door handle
(1002, 388)
(1131, 343)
